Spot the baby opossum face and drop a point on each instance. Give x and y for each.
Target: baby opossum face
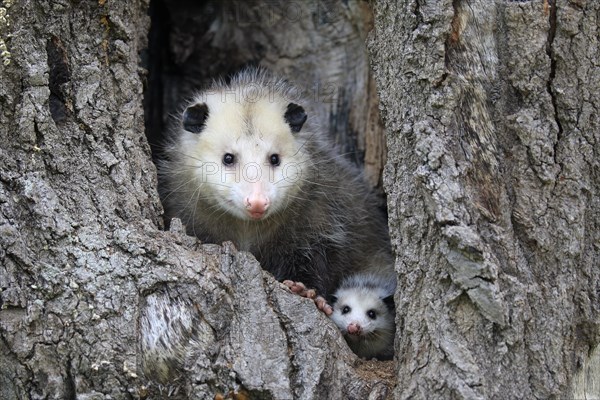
(362, 314)
(246, 156)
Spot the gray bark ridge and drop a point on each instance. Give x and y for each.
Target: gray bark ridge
(491, 181)
(234, 330)
(85, 264)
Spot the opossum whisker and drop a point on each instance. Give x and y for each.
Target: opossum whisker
(196, 194)
(307, 141)
(193, 157)
(176, 190)
(188, 167)
(316, 183)
(328, 159)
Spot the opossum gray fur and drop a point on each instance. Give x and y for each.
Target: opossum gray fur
(363, 309)
(246, 163)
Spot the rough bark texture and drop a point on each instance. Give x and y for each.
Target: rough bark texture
(493, 179)
(84, 259)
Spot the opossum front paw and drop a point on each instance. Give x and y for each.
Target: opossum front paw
(323, 305)
(300, 289)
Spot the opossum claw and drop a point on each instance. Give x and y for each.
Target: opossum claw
(323, 305)
(300, 289)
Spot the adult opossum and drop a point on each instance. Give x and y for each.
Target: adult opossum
(246, 163)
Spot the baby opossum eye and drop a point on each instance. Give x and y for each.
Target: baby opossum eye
(372, 314)
(228, 159)
(274, 160)
(345, 310)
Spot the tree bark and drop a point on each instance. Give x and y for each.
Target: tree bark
(87, 273)
(492, 182)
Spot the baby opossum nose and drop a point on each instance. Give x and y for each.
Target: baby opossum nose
(257, 204)
(354, 328)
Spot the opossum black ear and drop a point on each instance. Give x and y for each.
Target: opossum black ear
(194, 118)
(295, 116)
(389, 302)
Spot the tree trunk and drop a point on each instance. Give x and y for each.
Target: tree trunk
(492, 181)
(89, 281)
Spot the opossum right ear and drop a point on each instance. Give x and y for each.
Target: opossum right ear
(295, 116)
(194, 118)
(389, 302)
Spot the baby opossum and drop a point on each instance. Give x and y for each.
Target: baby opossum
(245, 163)
(363, 309)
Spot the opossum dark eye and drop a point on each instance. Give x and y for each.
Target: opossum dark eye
(295, 117)
(371, 314)
(228, 159)
(345, 310)
(274, 160)
(194, 118)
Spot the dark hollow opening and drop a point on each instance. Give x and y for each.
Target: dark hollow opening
(318, 44)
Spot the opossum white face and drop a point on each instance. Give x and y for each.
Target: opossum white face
(362, 313)
(246, 156)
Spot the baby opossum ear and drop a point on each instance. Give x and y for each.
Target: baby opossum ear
(194, 118)
(389, 302)
(295, 116)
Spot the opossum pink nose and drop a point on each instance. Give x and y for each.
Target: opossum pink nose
(257, 205)
(354, 328)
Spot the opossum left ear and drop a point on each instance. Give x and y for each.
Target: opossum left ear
(295, 116)
(389, 302)
(194, 118)
(331, 299)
